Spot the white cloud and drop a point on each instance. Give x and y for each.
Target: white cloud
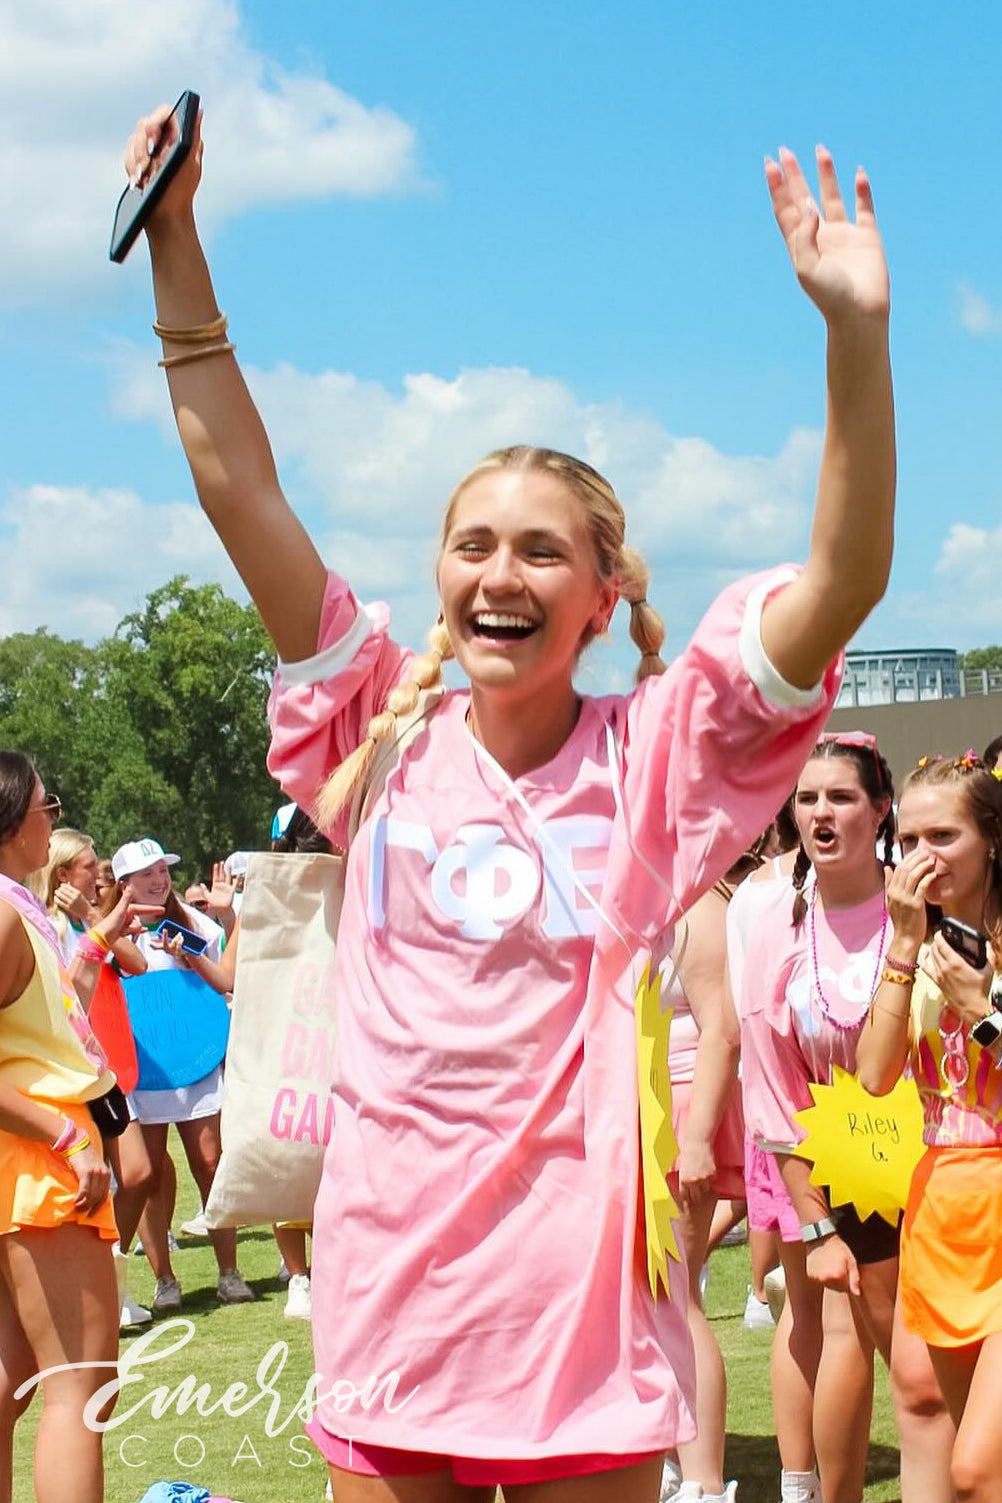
(76, 74)
(371, 469)
(977, 315)
(960, 606)
(378, 460)
(77, 559)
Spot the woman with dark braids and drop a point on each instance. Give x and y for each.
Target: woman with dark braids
(811, 969)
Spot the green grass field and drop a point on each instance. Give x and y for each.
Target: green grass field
(242, 1462)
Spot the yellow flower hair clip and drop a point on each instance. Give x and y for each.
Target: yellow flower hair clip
(969, 761)
(997, 773)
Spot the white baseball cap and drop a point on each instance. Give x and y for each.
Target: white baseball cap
(138, 856)
(236, 864)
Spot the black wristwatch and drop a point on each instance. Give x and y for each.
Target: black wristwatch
(988, 1030)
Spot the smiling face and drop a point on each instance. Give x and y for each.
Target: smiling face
(934, 819)
(837, 819)
(152, 885)
(518, 580)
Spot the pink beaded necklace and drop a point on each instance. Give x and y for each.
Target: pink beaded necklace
(819, 991)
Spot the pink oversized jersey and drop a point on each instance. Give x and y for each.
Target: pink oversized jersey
(476, 1227)
(787, 1039)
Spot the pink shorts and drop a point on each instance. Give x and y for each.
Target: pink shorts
(468, 1471)
(770, 1208)
(728, 1143)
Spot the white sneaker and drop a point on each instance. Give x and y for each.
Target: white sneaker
(133, 1314)
(682, 1491)
(774, 1285)
(758, 1316)
(196, 1227)
(232, 1290)
(737, 1236)
(298, 1304)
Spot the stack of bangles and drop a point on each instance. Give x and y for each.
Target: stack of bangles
(92, 948)
(71, 1140)
(899, 972)
(204, 339)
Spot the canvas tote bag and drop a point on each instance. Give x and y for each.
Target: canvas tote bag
(277, 1107)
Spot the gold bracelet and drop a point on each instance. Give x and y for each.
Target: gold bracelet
(899, 1017)
(202, 353)
(897, 978)
(77, 1147)
(195, 334)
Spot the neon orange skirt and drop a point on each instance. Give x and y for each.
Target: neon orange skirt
(38, 1187)
(950, 1273)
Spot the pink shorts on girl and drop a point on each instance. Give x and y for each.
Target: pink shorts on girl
(467, 1471)
(770, 1208)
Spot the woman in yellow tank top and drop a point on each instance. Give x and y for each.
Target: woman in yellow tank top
(55, 1210)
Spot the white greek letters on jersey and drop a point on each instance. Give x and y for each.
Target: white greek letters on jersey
(482, 881)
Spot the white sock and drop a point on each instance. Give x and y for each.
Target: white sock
(800, 1487)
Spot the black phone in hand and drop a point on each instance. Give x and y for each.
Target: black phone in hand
(969, 943)
(137, 204)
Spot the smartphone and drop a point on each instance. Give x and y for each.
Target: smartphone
(192, 942)
(137, 204)
(969, 943)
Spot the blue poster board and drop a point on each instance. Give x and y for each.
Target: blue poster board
(181, 1026)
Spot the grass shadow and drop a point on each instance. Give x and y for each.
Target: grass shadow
(754, 1460)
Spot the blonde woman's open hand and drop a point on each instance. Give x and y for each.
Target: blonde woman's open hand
(839, 262)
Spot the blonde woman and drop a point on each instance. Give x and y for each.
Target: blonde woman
(68, 886)
(476, 1223)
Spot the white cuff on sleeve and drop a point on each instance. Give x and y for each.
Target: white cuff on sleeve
(770, 683)
(334, 659)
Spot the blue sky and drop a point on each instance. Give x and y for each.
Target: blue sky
(440, 227)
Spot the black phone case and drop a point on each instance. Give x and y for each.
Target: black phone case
(187, 111)
(975, 953)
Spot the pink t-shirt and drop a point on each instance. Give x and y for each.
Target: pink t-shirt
(476, 1225)
(788, 1036)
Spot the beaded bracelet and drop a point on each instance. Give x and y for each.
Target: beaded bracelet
(910, 967)
(89, 954)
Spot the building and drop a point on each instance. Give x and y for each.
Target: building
(887, 678)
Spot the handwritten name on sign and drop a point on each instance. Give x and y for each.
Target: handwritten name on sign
(181, 1026)
(863, 1148)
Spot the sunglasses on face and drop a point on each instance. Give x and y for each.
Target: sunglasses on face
(52, 807)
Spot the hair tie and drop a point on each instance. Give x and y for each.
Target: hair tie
(636, 604)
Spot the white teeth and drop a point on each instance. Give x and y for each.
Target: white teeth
(500, 618)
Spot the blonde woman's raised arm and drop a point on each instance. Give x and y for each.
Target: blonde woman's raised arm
(220, 428)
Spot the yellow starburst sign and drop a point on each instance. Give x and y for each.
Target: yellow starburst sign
(863, 1148)
(657, 1137)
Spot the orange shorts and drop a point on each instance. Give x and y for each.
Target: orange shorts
(38, 1187)
(951, 1250)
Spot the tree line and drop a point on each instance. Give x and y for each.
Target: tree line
(159, 729)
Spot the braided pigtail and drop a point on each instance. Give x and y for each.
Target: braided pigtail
(646, 626)
(426, 673)
(801, 868)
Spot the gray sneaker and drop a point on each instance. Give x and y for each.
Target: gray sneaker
(167, 1296)
(231, 1289)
